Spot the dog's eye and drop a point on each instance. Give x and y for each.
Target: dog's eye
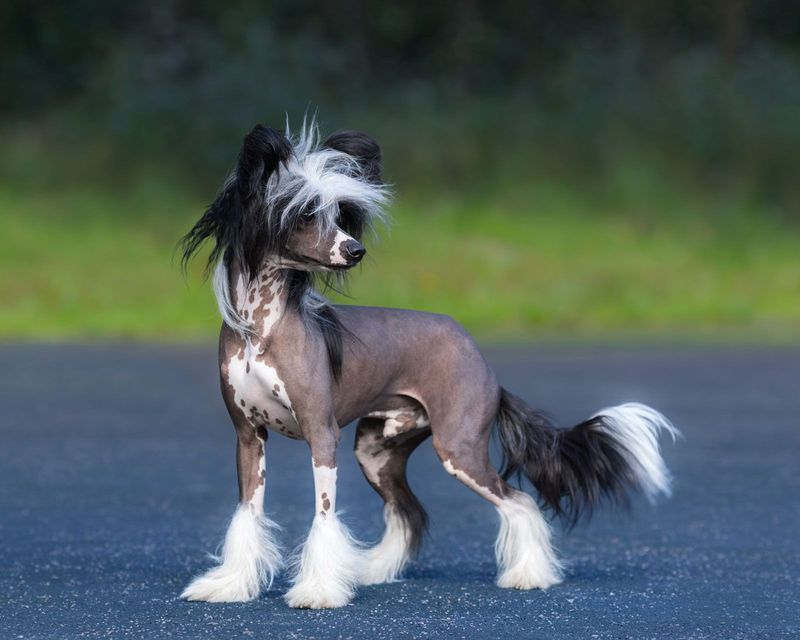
(307, 216)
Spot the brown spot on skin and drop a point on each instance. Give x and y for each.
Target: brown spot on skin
(276, 386)
(247, 367)
(326, 504)
(274, 393)
(278, 421)
(241, 402)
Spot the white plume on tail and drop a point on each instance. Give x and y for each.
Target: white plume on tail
(636, 429)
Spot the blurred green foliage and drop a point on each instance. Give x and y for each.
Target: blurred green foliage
(580, 167)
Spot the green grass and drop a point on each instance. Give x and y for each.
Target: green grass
(547, 261)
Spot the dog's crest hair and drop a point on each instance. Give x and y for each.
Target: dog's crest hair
(278, 179)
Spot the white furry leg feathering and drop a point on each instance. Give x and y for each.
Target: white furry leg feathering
(525, 556)
(386, 560)
(328, 567)
(249, 560)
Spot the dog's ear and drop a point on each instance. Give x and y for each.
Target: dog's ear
(364, 148)
(263, 151)
(236, 220)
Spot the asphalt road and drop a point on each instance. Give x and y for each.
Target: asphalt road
(117, 476)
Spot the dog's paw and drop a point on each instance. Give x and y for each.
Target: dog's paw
(302, 596)
(218, 585)
(526, 581)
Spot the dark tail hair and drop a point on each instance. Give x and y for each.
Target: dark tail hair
(599, 460)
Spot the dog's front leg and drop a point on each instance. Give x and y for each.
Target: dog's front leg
(329, 564)
(250, 555)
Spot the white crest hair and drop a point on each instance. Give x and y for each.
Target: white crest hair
(314, 180)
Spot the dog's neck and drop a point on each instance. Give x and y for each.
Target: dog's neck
(263, 302)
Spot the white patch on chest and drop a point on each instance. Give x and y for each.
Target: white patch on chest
(261, 394)
(258, 389)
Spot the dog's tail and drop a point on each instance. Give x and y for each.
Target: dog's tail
(601, 459)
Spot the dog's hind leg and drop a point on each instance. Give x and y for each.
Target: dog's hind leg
(383, 461)
(250, 556)
(525, 555)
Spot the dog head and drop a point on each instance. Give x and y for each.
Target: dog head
(295, 202)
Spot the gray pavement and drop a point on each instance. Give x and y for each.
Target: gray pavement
(117, 476)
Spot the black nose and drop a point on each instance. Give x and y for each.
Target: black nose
(354, 250)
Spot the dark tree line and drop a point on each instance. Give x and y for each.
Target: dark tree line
(459, 92)
(54, 50)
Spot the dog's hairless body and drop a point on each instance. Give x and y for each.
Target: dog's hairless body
(403, 375)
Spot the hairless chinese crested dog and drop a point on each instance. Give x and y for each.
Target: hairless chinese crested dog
(293, 210)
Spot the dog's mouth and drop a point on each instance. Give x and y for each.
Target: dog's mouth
(306, 263)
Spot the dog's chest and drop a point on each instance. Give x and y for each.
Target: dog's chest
(261, 394)
(258, 389)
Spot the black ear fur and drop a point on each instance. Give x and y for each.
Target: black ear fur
(263, 151)
(363, 148)
(236, 219)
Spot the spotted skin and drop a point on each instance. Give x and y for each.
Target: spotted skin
(397, 421)
(383, 461)
(247, 372)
